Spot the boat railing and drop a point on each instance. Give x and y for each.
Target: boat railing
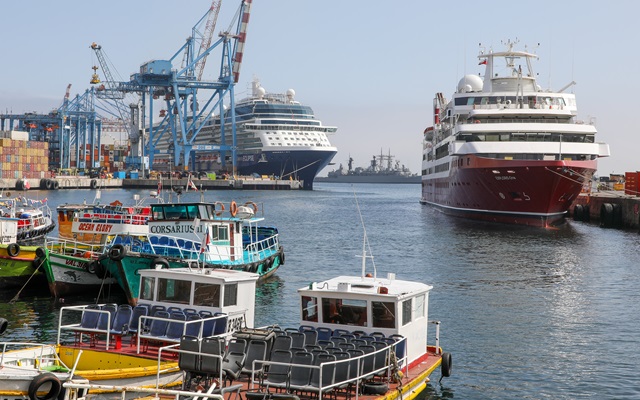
(75, 390)
(36, 355)
(79, 329)
(385, 371)
(262, 249)
(72, 247)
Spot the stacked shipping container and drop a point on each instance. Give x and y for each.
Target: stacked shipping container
(21, 158)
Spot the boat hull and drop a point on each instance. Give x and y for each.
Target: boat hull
(536, 193)
(68, 275)
(23, 268)
(303, 165)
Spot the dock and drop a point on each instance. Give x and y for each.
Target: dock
(84, 182)
(609, 208)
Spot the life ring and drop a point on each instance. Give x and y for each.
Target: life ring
(447, 364)
(233, 208)
(253, 205)
(477, 121)
(8, 194)
(42, 380)
(13, 250)
(117, 252)
(93, 184)
(159, 261)
(56, 185)
(48, 184)
(219, 212)
(41, 252)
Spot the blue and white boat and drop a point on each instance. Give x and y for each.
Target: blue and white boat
(194, 234)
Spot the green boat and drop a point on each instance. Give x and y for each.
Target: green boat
(19, 265)
(194, 235)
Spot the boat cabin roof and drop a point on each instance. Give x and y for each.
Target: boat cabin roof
(369, 287)
(191, 211)
(204, 289)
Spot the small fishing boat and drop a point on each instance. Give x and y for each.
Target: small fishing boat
(189, 234)
(34, 218)
(19, 265)
(85, 230)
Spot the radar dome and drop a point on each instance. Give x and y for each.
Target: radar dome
(260, 92)
(470, 83)
(291, 93)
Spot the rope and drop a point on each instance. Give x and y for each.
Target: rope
(15, 298)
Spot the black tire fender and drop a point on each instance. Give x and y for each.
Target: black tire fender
(93, 184)
(159, 261)
(41, 252)
(281, 256)
(40, 381)
(48, 184)
(3, 325)
(375, 388)
(19, 184)
(13, 249)
(99, 269)
(56, 185)
(447, 364)
(117, 252)
(578, 212)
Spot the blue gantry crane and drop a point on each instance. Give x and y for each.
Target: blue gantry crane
(187, 113)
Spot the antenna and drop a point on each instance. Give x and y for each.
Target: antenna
(365, 243)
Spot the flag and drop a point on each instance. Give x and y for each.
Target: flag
(483, 62)
(191, 185)
(205, 241)
(27, 185)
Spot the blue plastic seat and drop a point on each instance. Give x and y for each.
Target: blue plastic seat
(122, 320)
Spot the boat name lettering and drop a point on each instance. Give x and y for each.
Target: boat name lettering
(86, 226)
(73, 263)
(505, 178)
(249, 157)
(171, 229)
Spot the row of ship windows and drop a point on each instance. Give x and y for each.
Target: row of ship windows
(317, 144)
(539, 157)
(303, 139)
(529, 137)
(293, 133)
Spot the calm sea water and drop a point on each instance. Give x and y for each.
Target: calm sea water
(527, 313)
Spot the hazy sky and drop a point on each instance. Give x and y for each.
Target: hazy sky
(371, 68)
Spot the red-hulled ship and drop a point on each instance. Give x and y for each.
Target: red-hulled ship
(504, 150)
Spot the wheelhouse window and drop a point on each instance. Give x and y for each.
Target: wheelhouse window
(418, 311)
(174, 291)
(406, 312)
(344, 311)
(231, 294)
(309, 308)
(383, 314)
(207, 295)
(148, 287)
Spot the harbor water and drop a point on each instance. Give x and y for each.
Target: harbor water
(527, 313)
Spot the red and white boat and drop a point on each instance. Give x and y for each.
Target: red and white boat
(505, 150)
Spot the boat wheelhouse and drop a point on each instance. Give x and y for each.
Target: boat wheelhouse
(367, 304)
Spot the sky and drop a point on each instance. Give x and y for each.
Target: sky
(370, 68)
